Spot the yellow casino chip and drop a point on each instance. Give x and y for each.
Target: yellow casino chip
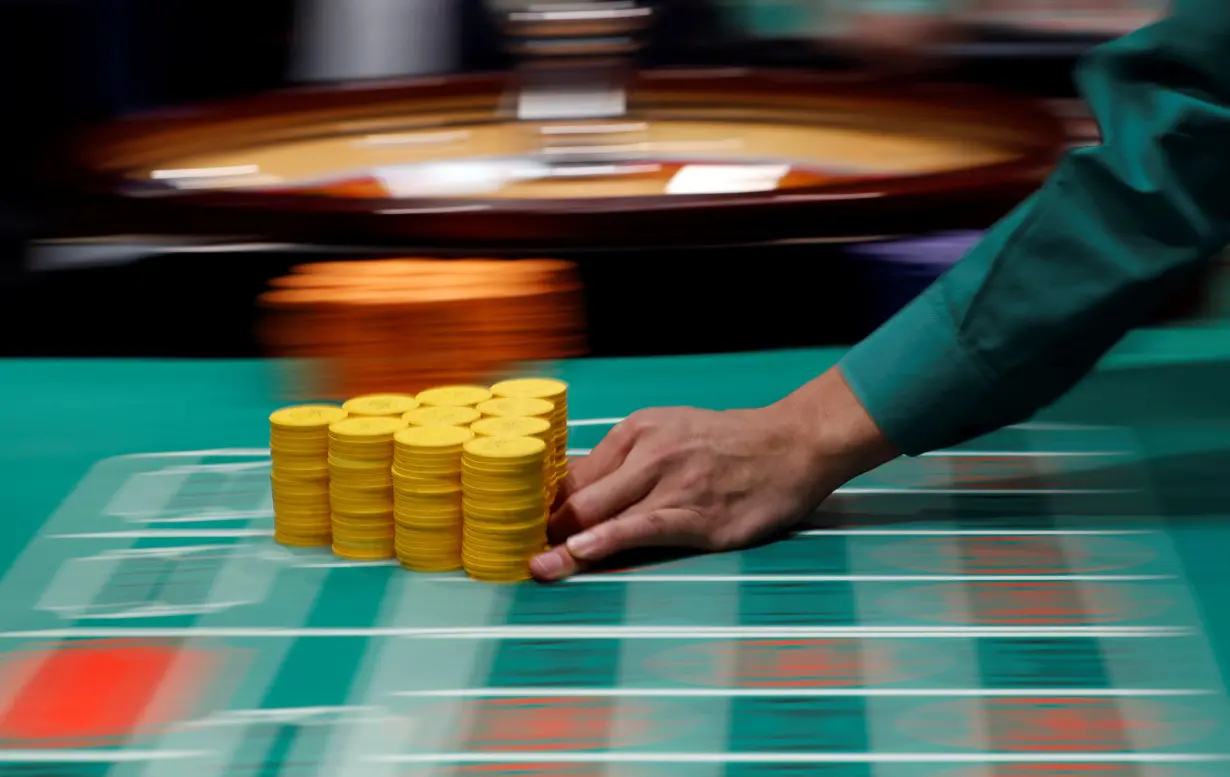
(454, 396)
(433, 436)
(530, 388)
(505, 447)
(380, 404)
(511, 427)
(442, 416)
(366, 426)
(306, 416)
(517, 407)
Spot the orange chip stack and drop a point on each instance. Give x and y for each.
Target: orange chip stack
(401, 325)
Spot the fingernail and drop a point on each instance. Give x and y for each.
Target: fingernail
(582, 545)
(548, 565)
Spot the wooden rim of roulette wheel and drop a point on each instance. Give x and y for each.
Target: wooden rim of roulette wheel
(440, 162)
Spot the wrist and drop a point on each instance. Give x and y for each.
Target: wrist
(836, 433)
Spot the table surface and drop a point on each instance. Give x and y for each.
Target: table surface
(1050, 599)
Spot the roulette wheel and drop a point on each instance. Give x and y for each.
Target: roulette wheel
(711, 156)
(576, 148)
(739, 179)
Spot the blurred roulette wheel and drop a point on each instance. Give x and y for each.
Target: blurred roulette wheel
(748, 184)
(689, 158)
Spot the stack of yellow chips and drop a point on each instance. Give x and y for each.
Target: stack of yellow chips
(442, 416)
(555, 392)
(453, 396)
(299, 453)
(427, 496)
(504, 503)
(361, 486)
(511, 426)
(380, 405)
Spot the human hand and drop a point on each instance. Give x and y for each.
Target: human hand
(710, 481)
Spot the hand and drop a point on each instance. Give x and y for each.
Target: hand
(710, 481)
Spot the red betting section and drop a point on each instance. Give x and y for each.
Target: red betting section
(98, 693)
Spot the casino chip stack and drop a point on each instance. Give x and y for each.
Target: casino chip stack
(427, 496)
(442, 416)
(555, 392)
(391, 405)
(361, 486)
(504, 504)
(299, 453)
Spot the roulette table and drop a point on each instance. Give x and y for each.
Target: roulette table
(1048, 600)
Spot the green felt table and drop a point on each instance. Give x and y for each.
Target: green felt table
(1050, 600)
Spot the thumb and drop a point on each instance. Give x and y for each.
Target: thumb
(656, 528)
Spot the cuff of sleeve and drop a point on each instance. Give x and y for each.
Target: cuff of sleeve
(916, 380)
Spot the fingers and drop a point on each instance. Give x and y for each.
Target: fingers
(603, 499)
(556, 564)
(655, 528)
(604, 459)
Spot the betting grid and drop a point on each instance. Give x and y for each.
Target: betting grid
(694, 664)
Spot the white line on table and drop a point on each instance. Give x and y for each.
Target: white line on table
(96, 756)
(534, 757)
(238, 452)
(1031, 454)
(864, 491)
(593, 421)
(804, 693)
(617, 632)
(960, 454)
(1028, 426)
(632, 577)
(350, 564)
(975, 532)
(165, 534)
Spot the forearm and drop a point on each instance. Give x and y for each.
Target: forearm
(1115, 231)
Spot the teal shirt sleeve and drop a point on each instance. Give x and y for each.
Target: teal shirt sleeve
(1116, 230)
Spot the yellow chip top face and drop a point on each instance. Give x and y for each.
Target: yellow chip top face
(369, 426)
(380, 404)
(531, 388)
(505, 447)
(516, 407)
(511, 427)
(454, 396)
(433, 436)
(307, 416)
(442, 416)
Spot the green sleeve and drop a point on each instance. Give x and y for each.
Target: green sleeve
(1114, 232)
